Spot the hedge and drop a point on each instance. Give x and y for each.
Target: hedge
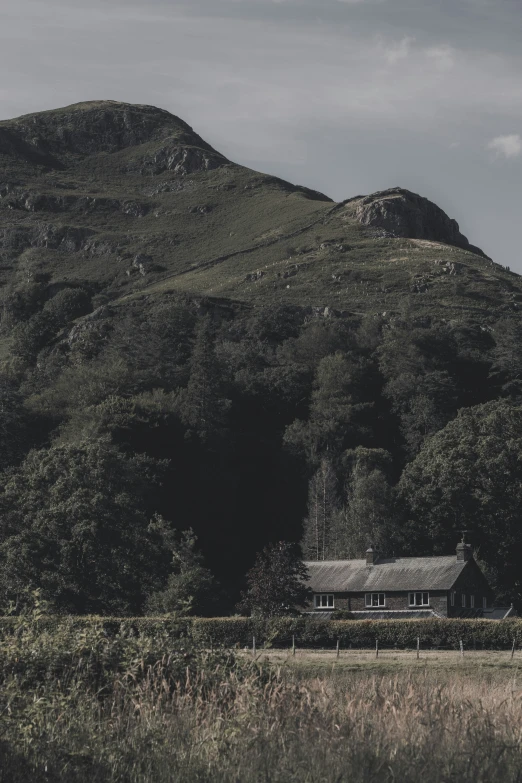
(308, 631)
(163, 628)
(312, 632)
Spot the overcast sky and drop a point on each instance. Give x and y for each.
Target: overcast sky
(345, 96)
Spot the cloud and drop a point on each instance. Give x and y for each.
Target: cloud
(258, 86)
(399, 51)
(508, 146)
(442, 56)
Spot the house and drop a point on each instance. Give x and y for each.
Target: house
(404, 587)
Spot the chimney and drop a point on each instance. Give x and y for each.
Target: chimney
(371, 556)
(464, 552)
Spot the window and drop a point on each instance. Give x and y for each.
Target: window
(324, 601)
(375, 599)
(484, 603)
(419, 599)
(464, 600)
(472, 601)
(452, 598)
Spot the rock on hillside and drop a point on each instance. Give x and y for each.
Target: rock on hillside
(406, 214)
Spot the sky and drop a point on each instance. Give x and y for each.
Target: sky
(344, 96)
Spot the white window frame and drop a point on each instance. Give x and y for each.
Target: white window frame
(374, 600)
(324, 601)
(472, 601)
(452, 598)
(423, 598)
(463, 600)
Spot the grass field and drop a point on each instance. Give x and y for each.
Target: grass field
(78, 707)
(325, 662)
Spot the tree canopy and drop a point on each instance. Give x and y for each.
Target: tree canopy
(276, 582)
(469, 476)
(75, 524)
(244, 425)
(191, 588)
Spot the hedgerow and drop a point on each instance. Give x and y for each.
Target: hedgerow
(316, 632)
(282, 631)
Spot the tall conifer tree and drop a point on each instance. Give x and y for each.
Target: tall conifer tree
(203, 406)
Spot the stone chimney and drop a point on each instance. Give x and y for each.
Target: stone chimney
(464, 552)
(371, 556)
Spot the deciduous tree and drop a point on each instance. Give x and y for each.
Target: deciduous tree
(75, 523)
(469, 476)
(191, 588)
(332, 423)
(367, 518)
(276, 582)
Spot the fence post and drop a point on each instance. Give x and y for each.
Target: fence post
(376, 648)
(254, 646)
(337, 647)
(513, 648)
(293, 644)
(418, 646)
(461, 648)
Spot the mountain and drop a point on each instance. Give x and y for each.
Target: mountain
(129, 199)
(251, 339)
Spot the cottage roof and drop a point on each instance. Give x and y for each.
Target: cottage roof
(394, 573)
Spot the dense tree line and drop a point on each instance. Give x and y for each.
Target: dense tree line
(147, 447)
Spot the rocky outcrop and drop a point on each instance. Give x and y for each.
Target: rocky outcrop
(143, 264)
(401, 213)
(91, 328)
(68, 239)
(178, 159)
(33, 201)
(90, 128)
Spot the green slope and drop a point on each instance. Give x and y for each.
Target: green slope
(130, 200)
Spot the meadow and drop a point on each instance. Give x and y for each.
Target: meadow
(79, 705)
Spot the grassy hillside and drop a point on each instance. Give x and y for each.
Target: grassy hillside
(89, 188)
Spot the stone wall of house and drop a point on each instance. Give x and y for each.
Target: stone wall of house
(353, 602)
(471, 582)
(400, 600)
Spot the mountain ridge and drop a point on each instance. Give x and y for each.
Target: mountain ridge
(128, 199)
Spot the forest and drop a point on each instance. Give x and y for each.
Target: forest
(152, 449)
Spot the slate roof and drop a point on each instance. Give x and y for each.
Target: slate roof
(394, 573)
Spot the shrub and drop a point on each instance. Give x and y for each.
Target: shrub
(278, 631)
(222, 631)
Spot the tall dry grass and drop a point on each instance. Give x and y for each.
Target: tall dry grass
(256, 726)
